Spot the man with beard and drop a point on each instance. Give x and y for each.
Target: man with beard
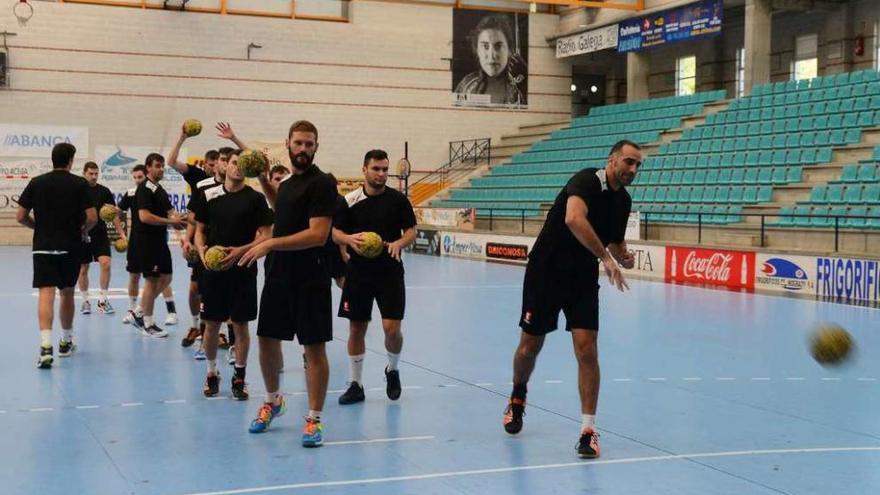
(375, 208)
(562, 274)
(296, 295)
(97, 247)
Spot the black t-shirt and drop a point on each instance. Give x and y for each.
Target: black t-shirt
(128, 203)
(197, 197)
(300, 197)
(233, 217)
(607, 211)
(387, 214)
(153, 198)
(193, 176)
(58, 200)
(100, 196)
(338, 211)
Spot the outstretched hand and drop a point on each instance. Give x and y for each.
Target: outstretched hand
(224, 130)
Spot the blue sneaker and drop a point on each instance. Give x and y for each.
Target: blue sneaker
(266, 414)
(199, 355)
(313, 433)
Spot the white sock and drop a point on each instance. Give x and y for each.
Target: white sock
(392, 361)
(314, 415)
(273, 397)
(588, 422)
(196, 321)
(212, 366)
(357, 368)
(85, 295)
(46, 338)
(138, 311)
(148, 321)
(132, 303)
(67, 334)
(103, 295)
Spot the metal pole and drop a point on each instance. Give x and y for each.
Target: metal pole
(836, 233)
(522, 223)
(699, 228)
(762, 230)
(490, 219)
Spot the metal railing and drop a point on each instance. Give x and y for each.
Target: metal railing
(464, 157)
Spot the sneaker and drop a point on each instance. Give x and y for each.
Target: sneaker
(588, 445)
(128, 318)
(239, 389)
(105, 307)
(136, 320)
(513, 415)
(45, 360)
(171, 319)
(191, 337)
(86, 308)
(313, 433)
(154, 331)
(199, 355)
(266, 414)
(212, 385)
(230, 355)
(355, 393)
(392, 383)
(223, 342)
(65, 348)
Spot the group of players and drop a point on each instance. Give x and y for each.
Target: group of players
(310, 235)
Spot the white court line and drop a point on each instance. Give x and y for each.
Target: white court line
(760, 379)
(656, 379)
(447, 385)
(513, 469)
(216, 398)
(429, 287)
(174, 401)
(131, 404)
(866, 379)
(41, 409)
(692, 379)
(380, 440)
(552, 381)
(796, 378)
(87, 407)
(830, 379)
(484, 384)
(623, 379)
(725, 379)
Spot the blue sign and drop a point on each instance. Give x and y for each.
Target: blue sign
(691, 21)
(848, 279)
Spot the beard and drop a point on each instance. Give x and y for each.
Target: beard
(301, 160)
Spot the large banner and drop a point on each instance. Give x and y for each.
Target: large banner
(116, 162)
(650, 260)
(733, 269)
(15, 173)
(37, 141)
(459, 218)
(490, 54)
(427, 242)
(588, 42)
(486, 246)
(785, 273)
(848, 279)
(683, 23)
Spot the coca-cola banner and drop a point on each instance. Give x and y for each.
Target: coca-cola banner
(734, 269)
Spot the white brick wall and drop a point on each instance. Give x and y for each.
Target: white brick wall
(87, 78)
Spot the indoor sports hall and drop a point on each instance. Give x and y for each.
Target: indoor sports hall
(737, 329)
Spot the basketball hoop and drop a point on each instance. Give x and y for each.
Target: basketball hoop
(23, 11)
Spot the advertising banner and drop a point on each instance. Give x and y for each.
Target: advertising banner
(633, 227)
(37, 141)
(459, 218)
(588, 42)
(848, 279)
(650, 260)
(785, 273)
(733, 269)
(490, 55)
(486, 246)
(512, 252)
(683, 23)
(116, 162)
(427, 242)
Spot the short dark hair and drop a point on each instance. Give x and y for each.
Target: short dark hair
(377, 155)
(497, 22)
(140, 168)
(225, 151)
(153, 157)
(62, 154)
(90, 165)
(278, 169)
(234, 152)
(620, 144)
(212, 155)
(303, 126)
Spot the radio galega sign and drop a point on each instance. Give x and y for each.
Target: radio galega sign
(37, 141)
(588, 42)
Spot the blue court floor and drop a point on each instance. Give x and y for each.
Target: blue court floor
(703, 392)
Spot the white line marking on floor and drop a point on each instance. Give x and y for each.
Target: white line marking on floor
(174, 401)
(656, 379)
(431, 287)
(484, 384)
(692, 379)
(725, 379)
(218, 398)
(513, 469)
(41, 409)
(2, 412)
(447, 385)
(760, 379)
(827, 379)
(866, 379)
(552, 381)
(131, 404)
(380, 440)
(87, 407)
(796, 378)
(623, 379)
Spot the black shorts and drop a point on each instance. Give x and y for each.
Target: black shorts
(155, 257)
(91, 251)
(229, 295)
(133, 257)
(56, 270)
(361, 288)
(195, 275)
(301, 308)
(547, 291)
(334, 261)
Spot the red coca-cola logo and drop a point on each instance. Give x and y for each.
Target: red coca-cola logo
(715, 268)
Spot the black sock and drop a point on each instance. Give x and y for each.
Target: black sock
(239, 372)
(170, 306)
(519, 391)
(231, 334)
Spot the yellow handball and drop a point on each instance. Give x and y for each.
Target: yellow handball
(192, 127)
(372, 245)
(831, 345)
(253, 163)
(121, 245)
(214, 258)
(193, 256)
(107, 213)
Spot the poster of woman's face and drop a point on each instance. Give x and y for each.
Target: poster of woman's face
(490, 53)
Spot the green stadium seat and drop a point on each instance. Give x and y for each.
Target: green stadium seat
(783, 219)
(724, 175)
(722, 194)
(778, 175)
(736, 194)
(874, 221)
(867, 173)
(817, 194)
(820, 217)
(794, 174)
(853, 194)
(712, 176)
(871, 194)
(765, 194)
(849, 174)
(856, 223)
(751, 176)
(765, 176)
(834, 194)
(802, 218)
